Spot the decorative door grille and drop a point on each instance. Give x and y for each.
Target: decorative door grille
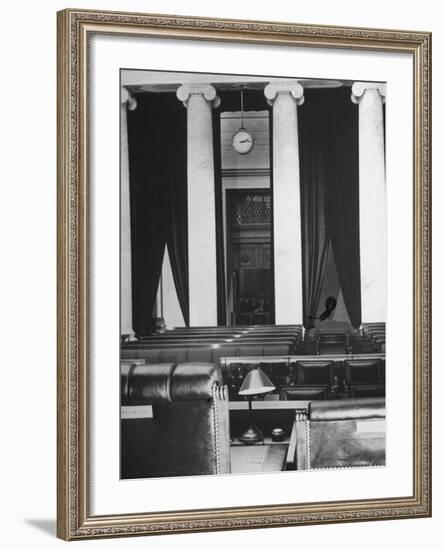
(251, 208)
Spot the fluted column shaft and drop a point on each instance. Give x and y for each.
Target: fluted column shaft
(285, 99)
(127, 102)
(372, 191)
(199, 100)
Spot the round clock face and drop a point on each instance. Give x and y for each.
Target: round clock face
(242, 142)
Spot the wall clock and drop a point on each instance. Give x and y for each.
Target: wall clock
(242, 141)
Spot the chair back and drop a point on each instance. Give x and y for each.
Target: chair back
(363, 371)
(341, 433)
(188, 433)
(304, 393)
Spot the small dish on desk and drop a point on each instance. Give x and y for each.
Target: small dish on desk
(278, 434)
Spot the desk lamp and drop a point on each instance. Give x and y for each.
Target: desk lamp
(255, 383)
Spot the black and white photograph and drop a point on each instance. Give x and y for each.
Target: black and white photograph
(220, 237)
(253, 274)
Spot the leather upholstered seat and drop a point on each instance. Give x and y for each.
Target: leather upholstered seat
(303, 392)
(314, 372)
(341, 433)
(188, 433)
(363, 371)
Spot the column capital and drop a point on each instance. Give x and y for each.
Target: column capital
(295, 89)
(127, 97)
(207, 91)
(359, 89)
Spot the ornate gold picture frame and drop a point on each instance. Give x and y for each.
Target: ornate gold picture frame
(75, 517)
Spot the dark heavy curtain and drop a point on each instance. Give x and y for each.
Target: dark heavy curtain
(328, 133)
(219, 233)
(313, 182)
(175, 170)
(271, 183)
(342, 198)
(158, 183)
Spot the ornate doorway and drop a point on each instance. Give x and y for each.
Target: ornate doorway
(249, 256)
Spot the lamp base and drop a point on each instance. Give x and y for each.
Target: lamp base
(251, 436)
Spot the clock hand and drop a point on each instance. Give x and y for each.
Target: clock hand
(246, 140)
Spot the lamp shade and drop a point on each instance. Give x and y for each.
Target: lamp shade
(256, 382)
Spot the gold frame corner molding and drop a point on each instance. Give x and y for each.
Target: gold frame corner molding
(75, 28)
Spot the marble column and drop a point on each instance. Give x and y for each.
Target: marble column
(127, 102)
(199, 101)
(372, 189)
(285, 97)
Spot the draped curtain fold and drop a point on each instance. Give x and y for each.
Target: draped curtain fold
(328, 138)
(342, 198)
(175, 170)
(271, 184)
(158, 186)
(313, 182)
